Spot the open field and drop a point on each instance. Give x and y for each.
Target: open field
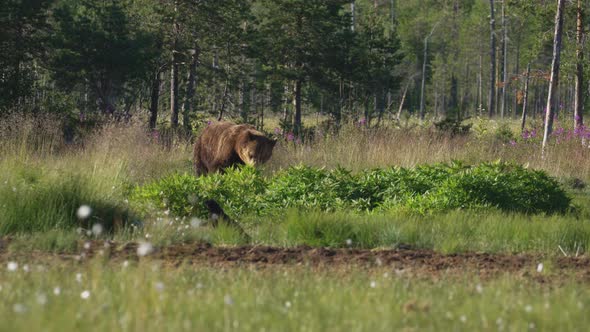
(326, 261)
(151, 295)
(429, 171)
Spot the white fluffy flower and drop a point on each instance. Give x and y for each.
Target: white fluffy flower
(12, 266)
(144, 249)
(97, 229)
(85, 295)
(84, 212)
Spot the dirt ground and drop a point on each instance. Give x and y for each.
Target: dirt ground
(410, 261)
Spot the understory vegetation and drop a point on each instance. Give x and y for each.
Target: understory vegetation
(421, 180)
(424, 189)
(141, 188)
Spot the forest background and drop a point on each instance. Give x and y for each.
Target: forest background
(176, 64)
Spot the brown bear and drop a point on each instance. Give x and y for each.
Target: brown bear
(224, 144)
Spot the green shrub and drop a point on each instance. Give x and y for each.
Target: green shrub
(422, 190)
(238, 190)
(504, 134)
(505, 186)
(307, 187)
(453, 127)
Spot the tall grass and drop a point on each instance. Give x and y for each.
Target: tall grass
(43, 180)
(359, 148)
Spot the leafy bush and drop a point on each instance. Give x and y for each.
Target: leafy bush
(453, 127)
(422, 190)
(238, 190)
(505, 186)
(307, 187)
(504, 134)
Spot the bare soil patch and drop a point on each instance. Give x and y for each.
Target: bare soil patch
(411, 261)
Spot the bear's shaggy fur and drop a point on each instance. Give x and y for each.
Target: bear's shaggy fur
(224, 144)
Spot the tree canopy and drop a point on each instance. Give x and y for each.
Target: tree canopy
(183, 61)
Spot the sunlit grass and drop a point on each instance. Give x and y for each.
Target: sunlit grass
(43, 182)
(359, 148)
(130, 296)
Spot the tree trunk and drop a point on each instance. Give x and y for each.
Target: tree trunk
(286, 104)
(352, 15)
(223, 100)
(155, 99)
(392, 12)
(241, 101)
(401, 104)
(454, 106)
(297, 104)
(382, 107)
(480, 85)
(422, 102)
(504, 60)
(554, 82)
(579, 88)
(525, 98)
(517, 72)
(492, 98)
(174, 75)
(187, 107)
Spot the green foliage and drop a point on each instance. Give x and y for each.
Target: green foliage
(98, 45)
(23, 22)
(505, 186)
(238, 190)
(504, 134)
(307, 187)
(423, 190)
(453, 127)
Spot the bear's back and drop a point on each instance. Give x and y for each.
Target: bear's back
(215, 148)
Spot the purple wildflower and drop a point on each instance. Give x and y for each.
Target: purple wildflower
(278, 131)
(209, 122)
(513, 143)
(526, 134)
(290, 136)
(559, 131)
(363, 121)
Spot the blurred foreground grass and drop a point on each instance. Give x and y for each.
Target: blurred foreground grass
(146, 296)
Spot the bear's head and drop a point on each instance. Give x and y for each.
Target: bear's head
(254, 148)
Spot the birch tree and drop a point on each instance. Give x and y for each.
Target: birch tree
(579, 84)
(492, 93)
(554, 80)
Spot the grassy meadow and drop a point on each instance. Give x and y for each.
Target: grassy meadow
(146, 296)
(44, 182)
